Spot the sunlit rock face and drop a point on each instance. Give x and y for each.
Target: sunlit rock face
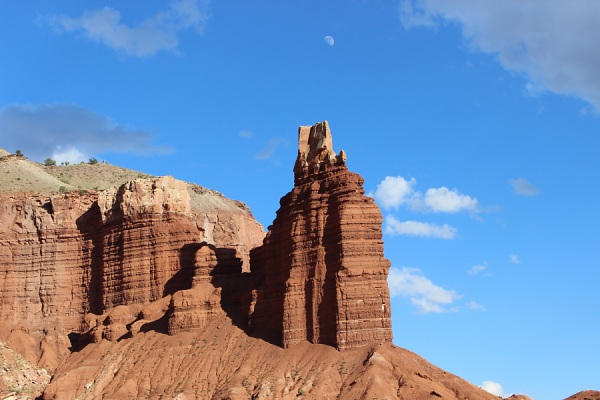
(65, 256)
(160, 254)
(322, 262)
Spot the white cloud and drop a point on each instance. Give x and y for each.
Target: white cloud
(523, 187)
(69, 131)
(246, 134)
(147, 38)
(424, 294)
(415, 228)
(394, 191)
(542, 39)
(449, 201)
(70, 155)
(476, 269)
(515, 259)
(493, 388)
(475, 306)
(269, 150)
(329, 40)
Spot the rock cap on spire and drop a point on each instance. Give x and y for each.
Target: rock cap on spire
(315, 148)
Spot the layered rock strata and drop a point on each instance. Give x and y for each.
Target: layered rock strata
(102, 288)
(159, 254)
(321, 264)
(67, 255)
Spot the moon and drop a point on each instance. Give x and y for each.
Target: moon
(329, 40)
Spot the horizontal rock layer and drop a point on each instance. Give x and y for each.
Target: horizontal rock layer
(64, 256)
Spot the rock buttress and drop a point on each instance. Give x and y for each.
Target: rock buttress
(322, 264)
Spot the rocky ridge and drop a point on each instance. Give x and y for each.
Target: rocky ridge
(585, 395)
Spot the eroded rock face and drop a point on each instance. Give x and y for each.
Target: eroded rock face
(65, 257)
(221, 362)
(322, 264)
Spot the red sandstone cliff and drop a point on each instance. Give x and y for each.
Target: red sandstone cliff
(322, 264)
(68, 255)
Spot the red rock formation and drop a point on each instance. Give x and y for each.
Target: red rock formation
(41, 262)
(322, 264)
(193, 309)
(149, 278)
(64, 256)
(319, 276)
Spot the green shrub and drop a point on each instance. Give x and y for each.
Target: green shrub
(49, 162)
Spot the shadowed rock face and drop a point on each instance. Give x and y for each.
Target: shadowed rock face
(322, 264)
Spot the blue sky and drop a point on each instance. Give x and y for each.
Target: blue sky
(475, 126)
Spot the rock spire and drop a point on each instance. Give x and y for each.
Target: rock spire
(322, 260)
